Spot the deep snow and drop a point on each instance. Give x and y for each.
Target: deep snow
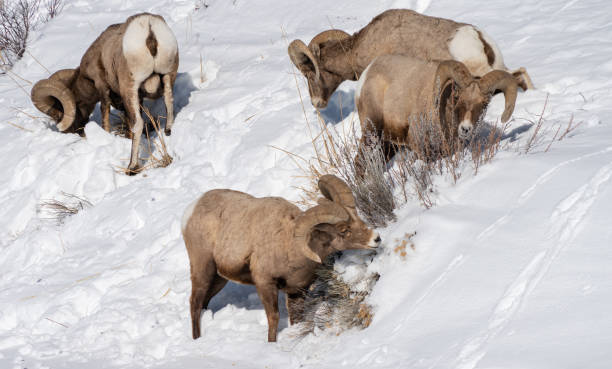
(510, 269)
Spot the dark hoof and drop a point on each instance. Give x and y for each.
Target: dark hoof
(168, 132)
(195, 332)
(133, 171)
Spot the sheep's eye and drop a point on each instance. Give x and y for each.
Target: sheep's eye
(346, 233)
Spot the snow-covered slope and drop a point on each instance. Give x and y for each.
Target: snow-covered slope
(510, 269)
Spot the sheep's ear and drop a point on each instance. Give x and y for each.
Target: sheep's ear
(303, 58)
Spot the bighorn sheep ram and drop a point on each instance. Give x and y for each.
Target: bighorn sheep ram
(395, 92)
(126, 63)
(268, 242)
(334, 56)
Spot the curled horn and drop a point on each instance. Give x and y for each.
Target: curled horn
(504, 81)
(336, 190)
(453, 70)
(332, 34)
(65, 76)
(53, 97)
(301, 55)
(329, 213)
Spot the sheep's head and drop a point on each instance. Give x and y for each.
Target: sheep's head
(468, 109)
(54, 97)
(321, 82)
(333, 225)
(466, 106)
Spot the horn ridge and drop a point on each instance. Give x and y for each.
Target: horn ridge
(297, 50)
(327, 213)
(504, 81)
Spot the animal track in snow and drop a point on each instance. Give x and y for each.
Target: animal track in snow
(528, 193)
(458, 260)
(565, 224)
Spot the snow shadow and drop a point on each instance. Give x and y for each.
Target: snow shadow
(486, 130)
(245, 296)
(513, 135)
(183, 87)
(482, 134)
(340, 105)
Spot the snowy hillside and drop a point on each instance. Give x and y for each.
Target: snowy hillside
(510, 268)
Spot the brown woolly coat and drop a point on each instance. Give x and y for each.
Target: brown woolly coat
(260, 232)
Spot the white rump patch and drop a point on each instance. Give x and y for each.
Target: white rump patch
(187, 214)
(140, 61)
(499, 59)
(167, 47)
(466, 47)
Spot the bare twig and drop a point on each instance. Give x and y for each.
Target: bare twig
(570, 127)
(58, 323)
(16, 23)
(18, 126)
(553, 139)
(538, 126)
(38, 61)
(202, 77)
(61, 209)
(54, 7)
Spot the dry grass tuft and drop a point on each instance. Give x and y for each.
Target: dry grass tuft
(17, 20)
(363, 168)
(156, 145)
(53, 7)
(160, 158)
(379, 188)
(59, 210)
(331, 304)
(122, 128)
(402, 245)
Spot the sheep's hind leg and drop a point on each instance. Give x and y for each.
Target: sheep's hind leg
(105, 104)
(169, 101)
(217, 286)
(133, 110)
(204, 285)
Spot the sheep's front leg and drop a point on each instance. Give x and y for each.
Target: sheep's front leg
(132, 106)
(268, 293)
(105, 105)
(169, 101)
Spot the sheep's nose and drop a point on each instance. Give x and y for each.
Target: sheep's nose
(465, 129)
(377, 239)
